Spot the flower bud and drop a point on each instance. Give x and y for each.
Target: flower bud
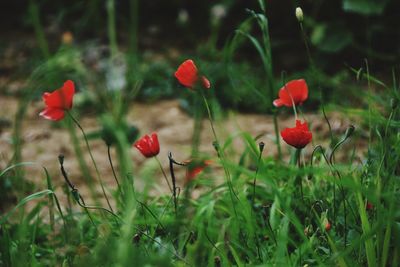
(299, 14)
(61, 159)
(349, 131)
(261, 146)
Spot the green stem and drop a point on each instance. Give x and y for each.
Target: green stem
(112, 168)
(81, 161)
(277, 136)
(197, 126)
(210, 117)
(220, 153)
(297, 161)
(112, 35)
(261, 147)
(163, 172)
(40, 37)
(92, 158)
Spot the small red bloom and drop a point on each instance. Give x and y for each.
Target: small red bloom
(296, 90)
(369, 206)
(195, 168)
(328, 226)
(298, 136)
(148, 145)
(58, 102)
(187, 75)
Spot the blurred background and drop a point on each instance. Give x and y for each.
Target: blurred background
(119, 52)
(148, 39)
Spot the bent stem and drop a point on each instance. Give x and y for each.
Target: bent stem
(92, 158)
(74, 191)
(171, 169)
(112, 168)
(163, 172)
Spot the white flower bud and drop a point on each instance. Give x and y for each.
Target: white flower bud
(299, 14)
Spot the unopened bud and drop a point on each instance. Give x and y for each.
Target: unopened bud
(349, 131)
(299, 14)
(261, 146)
(61, 159)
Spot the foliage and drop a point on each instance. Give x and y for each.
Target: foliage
(245, 207)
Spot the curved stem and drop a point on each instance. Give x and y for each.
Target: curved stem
(164, 174)
(171, 169)
(92, 158)
(112, 167)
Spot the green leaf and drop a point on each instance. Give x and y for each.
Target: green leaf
(24, 201)
(365, 7)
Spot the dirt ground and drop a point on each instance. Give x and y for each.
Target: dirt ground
(42, 143)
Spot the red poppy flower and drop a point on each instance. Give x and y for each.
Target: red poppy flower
(298, 136)
(187, 74)
(58, 102)
(369, 206)
(296, 90)
(148, 145)
(195, 168)
(328, 226)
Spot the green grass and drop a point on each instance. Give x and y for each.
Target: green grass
(278, 227)
(253, 209)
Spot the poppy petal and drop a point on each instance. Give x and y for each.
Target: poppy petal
(295, 91)
(148, 145)
(187, 73)
(298, 136)
(53, 114)
(155, 145)
(277, 103)
(205, 82)
(62, 97)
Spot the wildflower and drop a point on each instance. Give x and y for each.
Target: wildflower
(148, 145)
(195, 168)
(58, 102)
(328, 226)
(187, 75)
(294, 92)
(299, 14)
(298, 136)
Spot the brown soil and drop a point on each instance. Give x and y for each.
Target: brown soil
(42, 143)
